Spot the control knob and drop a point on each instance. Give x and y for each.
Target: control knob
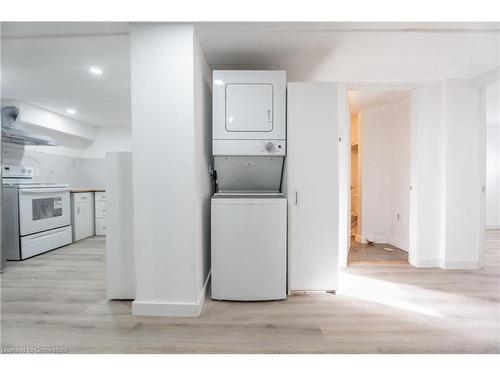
(269, 146)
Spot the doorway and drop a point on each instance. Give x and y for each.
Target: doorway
(379, 176)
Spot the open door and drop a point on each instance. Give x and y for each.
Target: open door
(312, 186)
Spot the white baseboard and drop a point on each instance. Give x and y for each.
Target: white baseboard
(426, 263)
(461, 265)
(385, 239)
(158, 308)
(403, 245)
(378, 239)
(492, 227)
(448, 265)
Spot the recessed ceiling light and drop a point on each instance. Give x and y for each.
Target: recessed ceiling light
(71, 111)
(95, 70)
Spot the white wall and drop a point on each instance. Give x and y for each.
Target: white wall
(493, 176)
(462, 175)
(492, 93)
(427, 148)
(400, 187)
(166, 169)
(109, 140)
(376, 173)
(79, 167)
(344, 150)
(202, 159)
(446, 175)
(50, 167)
(385, 174)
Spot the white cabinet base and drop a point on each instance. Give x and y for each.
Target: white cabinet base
(100, 214)
(82, 215)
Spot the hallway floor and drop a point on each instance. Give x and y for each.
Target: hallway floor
(58, 300)
(376, 253)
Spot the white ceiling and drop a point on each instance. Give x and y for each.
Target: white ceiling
(371, 98)
(46, 64)
(353, 52)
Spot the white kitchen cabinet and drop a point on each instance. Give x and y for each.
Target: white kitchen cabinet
(100, 214)
(82, 215)
(312, 183)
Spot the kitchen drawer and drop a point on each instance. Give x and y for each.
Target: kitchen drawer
(100, 196)
(100, 210)
(41, 242)
(100, 227)
(82, 197)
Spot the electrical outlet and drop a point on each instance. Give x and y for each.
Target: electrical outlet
(397, 217)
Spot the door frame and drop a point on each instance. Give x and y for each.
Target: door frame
(481, 83)
(344, 121)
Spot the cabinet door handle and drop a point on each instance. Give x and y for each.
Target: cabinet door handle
(78, 210)
(296, 193)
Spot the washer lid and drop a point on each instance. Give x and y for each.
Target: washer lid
(249, 173)
(249, 194)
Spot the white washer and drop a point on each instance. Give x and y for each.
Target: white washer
(249, 247)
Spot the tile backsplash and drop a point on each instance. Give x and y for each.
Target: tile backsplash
(75, 171)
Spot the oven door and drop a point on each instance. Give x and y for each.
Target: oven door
(41, 209)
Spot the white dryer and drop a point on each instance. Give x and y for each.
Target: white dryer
(248, 105)
(248, 210)
(249, 129)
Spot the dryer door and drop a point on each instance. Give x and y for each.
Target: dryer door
(249, 107)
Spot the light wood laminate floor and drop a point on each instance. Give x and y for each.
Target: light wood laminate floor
(58, 300)
(366, 253)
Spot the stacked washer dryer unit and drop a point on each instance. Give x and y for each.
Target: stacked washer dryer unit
(249, 218)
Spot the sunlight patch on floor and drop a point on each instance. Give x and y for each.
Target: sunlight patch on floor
(383, 292)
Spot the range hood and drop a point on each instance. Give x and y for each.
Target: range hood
(13, 132)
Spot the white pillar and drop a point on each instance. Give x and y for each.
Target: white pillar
(162, 95)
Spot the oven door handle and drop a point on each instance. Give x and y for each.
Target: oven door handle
(43, 191)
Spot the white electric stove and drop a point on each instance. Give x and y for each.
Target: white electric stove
(35, 215)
